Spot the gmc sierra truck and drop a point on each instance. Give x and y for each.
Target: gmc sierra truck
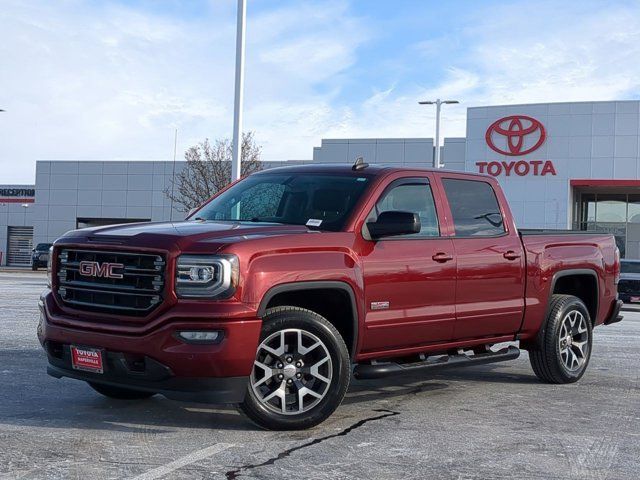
(277, 290)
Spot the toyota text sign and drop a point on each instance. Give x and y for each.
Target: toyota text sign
(513, 136)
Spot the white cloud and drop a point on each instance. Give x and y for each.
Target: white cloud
(81, 81)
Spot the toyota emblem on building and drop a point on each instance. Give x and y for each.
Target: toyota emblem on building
(515, 129)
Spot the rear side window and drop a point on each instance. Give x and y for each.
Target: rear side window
(474, 208)
(414, 198)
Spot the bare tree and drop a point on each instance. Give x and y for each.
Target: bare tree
(208, 170)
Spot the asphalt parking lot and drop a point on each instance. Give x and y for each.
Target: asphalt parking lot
(484, 422)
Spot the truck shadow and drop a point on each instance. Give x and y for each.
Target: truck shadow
(37, 400)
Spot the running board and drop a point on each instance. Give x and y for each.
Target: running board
(381, 370)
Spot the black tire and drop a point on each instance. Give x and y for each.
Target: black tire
(119, 392)
(547, 360)
(291, 319)
(34, 267)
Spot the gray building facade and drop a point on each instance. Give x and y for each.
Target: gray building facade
(561, 165)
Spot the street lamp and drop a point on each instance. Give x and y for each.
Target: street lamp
(438, 103)
(24, 220)
(239, 87)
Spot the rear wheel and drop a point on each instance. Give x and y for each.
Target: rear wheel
(564, 346)
(119, 392)
(301, 371)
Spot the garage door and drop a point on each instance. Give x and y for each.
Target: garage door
(19, 245)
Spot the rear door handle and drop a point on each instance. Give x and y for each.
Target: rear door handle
(511, 255)
(442, 257)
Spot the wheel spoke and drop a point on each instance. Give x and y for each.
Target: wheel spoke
(281, 393)
(268, 373)
(582, 326)
(580, 346)
(302, 350)
(314, 371)
(278, 352)
(565, 356)
(302, 392)
(574, 359)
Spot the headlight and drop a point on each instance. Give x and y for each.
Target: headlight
(49, 260)
(206, 276)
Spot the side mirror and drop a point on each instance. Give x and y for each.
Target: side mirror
(394, 223)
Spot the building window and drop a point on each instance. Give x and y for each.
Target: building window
(614, 213)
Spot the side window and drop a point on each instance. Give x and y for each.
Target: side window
(474, 208)
(410, 197)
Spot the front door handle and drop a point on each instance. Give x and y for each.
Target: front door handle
(442, 257)
(511, 255)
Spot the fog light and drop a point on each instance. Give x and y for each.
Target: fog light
(201, 336)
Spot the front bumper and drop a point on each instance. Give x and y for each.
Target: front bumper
(157, 360)
(192, 389)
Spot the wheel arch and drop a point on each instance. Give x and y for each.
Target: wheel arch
(293, 294)
(571, 282)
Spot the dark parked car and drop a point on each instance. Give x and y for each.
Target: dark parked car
(629, 286)
(40, 256)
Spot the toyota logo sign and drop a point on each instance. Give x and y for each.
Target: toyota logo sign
(514, 129)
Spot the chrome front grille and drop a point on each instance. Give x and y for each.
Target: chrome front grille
(110, 281)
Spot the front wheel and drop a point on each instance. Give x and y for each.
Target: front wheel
(301, 371)
(564, 346)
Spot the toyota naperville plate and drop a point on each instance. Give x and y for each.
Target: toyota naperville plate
(87, 359)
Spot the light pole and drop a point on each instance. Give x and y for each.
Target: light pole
(239, 87)
(438, 103)
(24, 220)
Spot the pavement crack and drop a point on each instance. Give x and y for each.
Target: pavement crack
(233, 474)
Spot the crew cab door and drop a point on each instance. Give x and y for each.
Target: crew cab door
(490, 259)
(409, 280)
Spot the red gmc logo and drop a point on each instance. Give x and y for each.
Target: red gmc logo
(104, 270)
(514, 129)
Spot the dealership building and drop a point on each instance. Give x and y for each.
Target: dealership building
(562, 165)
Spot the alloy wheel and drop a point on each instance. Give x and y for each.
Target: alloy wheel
(292, 371)
(574, 340)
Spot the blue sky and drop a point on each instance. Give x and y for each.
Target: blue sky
(99, 80)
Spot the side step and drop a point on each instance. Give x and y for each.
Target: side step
(381, 370)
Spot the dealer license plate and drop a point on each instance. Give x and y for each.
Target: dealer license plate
(87, 359)
(634, 299)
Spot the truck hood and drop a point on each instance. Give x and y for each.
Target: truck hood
(183, 234)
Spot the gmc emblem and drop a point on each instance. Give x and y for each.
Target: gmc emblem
(96, 269)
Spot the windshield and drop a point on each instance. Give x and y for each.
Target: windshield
(630, 267)
(317, 200)
(43, 247)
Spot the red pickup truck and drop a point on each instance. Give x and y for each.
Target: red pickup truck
(281, 287)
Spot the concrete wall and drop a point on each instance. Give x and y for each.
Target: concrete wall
(392, 151)
(13, 215)
(585, 140)
(68, 190)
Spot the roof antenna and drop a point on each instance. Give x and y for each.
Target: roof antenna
(359, 165)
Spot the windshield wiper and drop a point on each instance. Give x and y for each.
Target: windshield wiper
(263, 220)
